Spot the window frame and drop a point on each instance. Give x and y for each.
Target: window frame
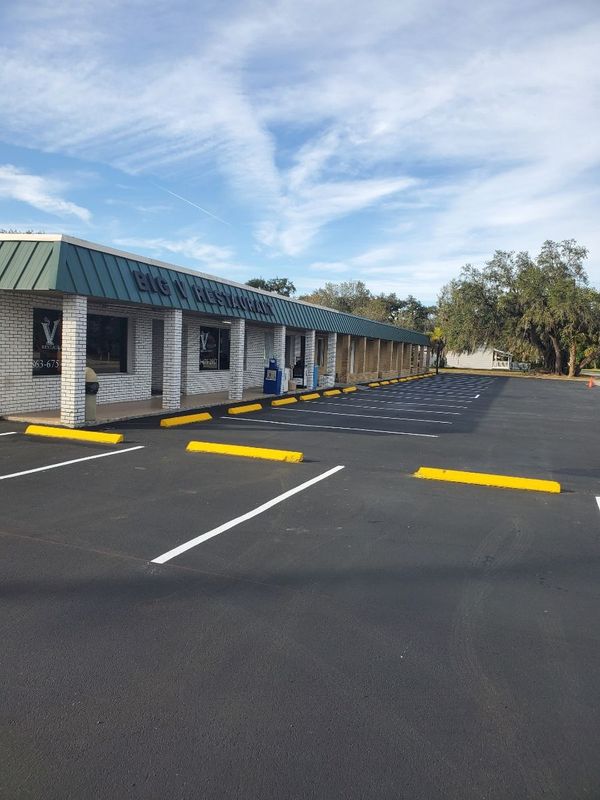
(125, 337)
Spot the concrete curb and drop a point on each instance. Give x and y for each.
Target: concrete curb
(73, 434)
(268, 454)
(487, 479)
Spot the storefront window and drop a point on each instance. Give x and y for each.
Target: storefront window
(214, 348)
(106, 349)
(47, 341)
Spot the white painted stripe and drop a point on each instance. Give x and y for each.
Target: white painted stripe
(332, 427)
(450, 395)
(408, 403)
(361, 416)
(182, 548)
(598, 501)
(394, 405)
(67, 463)
(431, 396)
(9, 433)
(476, 396)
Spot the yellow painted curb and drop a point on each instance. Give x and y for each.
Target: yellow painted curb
(312, 396)
(485, 479)
(77, 435)
(186, 419)
(331, 392)
(349, 389)
(244, 409)
(284, 401)
(245, 452)
(394, 380)
(385, 383)
(373, 385)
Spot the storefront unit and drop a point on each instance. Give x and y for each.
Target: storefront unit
(155, 332)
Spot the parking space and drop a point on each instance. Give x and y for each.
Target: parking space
(337, 628)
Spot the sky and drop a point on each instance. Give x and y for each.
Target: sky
(388, 142)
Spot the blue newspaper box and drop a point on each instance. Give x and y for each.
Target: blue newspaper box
(273, 378)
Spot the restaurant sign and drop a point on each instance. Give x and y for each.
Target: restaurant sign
(221, 297)
(47, 340)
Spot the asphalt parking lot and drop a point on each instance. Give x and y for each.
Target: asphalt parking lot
(337, 628)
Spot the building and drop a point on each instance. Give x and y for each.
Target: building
(482, 358)
(164, 335)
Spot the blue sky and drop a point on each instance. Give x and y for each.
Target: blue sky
(390, 142)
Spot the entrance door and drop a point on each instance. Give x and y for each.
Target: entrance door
(158, 344)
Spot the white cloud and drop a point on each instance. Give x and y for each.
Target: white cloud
(459, 129)
(304, 212)
(39, 192)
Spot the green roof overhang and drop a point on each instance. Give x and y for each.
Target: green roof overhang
(71, 266)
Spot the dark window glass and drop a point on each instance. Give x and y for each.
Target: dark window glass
(214, 348)
(106, 349)
(224, 349)
(47, 341)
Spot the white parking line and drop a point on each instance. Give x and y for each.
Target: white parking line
(408, 403)
(67, 463)
(332, 427)
(451, 395)
(9, 433)
(182, 548)
(598, 501)
(400, 408)
(362, 416)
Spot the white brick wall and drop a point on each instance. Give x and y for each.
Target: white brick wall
(236, 359)
(309, 359)
(256, 356)
(72, 378)
(279, 351)
(20, 391)
(329, 376)
(258, 347)
(193, 379)
(171, 397)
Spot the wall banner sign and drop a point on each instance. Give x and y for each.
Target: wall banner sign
(223, 298)
(47, 341)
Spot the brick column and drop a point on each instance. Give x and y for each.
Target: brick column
(279, 352)
(236, 359)
(309, 358)
(72, 379)
(171, 397)
(331, 357)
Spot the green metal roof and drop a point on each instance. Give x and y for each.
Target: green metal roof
(62, 264)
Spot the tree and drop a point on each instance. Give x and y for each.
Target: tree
(346, 296)
(279, 285)
(540, 309)
(353, 297)
(437, 336)
(411, 313)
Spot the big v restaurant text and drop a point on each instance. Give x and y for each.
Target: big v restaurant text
(153, 331)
